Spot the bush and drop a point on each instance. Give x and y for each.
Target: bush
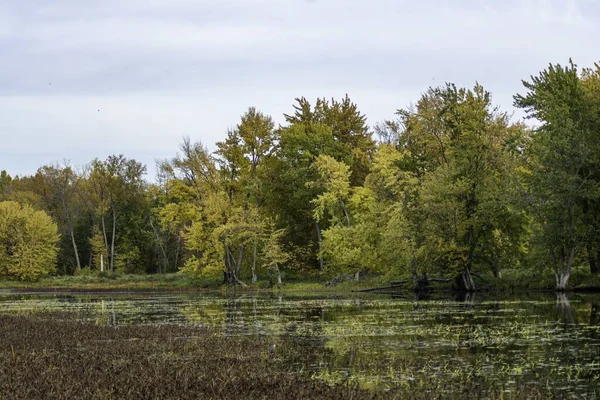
(28, 242)
(85, 271)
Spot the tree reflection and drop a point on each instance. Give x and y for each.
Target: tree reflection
(563, 312)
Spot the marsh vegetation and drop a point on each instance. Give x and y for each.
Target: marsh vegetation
(257, 346)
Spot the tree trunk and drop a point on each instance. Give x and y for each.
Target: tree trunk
(278, 275)
(104, 233)
(319, 240)
(562, 281)
(465, 281)
(75, 249)
(162, 249)
(595, 268)
(254, 278)
(228, 258)
(592, 258)
(72, 232)
(421, 283)
(562, 269)
(232, 279)
(112, 244)
(177, 250)
(239, 261)
(229, 275)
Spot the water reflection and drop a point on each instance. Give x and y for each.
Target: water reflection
(563, 311)
(595, 314)
(377, 341)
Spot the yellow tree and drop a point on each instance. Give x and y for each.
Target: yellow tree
(28, 242)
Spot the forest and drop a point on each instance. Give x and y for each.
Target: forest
(450, 187)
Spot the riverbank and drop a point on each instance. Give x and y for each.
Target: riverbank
(175, 283)
(511, 281)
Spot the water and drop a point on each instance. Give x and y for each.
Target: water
(377, 341)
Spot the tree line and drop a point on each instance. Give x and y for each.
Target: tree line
(449, 186)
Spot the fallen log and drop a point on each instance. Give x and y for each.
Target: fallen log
(421, 284)
(376, 289)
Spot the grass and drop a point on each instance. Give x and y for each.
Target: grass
(513, 280)
(177, 282)
(114, 282)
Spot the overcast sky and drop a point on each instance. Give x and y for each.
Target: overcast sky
(81, 79)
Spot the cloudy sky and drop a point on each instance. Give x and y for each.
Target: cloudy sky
(82, 79)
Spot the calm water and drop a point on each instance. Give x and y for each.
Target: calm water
(378, 341)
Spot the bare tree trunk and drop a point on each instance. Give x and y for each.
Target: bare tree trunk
(177, 250)
(254, 278)
(104, 232)
(230, 276)
(112, 244)
(227, 266)
(279, 283)
(162, 249)
(563, 269)
(72, 232)
(239, 261)
(228, 257)
(75, 249)
(320, 240)
(465, 281)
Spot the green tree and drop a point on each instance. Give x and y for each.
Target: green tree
(58, 188)
(288, 198)
(348, 127)
(5, 180)
(456, 142)
(565, 162)
(275, 254)
(117, 192)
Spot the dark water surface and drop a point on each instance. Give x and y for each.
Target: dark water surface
(378, 341)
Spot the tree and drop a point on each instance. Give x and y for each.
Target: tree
(5, 180)
(455, 145)
(334, 179)
(274, 253)
(348, 127)
(59, 190)
(288, 198)
(117, 190)
(256, 145)
(565, 163)
(28, 242)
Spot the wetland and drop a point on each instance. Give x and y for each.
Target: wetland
(245, 345)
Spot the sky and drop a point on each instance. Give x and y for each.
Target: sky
(81, 79)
